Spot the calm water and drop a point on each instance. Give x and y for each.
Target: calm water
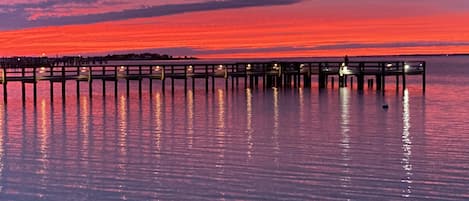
(304, 144)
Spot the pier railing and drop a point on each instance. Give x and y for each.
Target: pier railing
(272, 73)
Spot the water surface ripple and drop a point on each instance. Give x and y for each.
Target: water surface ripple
(275, 144)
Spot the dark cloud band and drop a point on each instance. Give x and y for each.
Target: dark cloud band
(19, 19)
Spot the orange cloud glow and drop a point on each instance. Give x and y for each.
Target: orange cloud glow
(281, 31)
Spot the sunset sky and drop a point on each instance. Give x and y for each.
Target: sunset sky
(233, 28)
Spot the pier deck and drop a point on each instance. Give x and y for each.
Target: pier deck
(273, 74)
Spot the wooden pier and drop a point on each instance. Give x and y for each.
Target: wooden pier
(282, 74)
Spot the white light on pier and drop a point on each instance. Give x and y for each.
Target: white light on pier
(190, 68)
(248, 67)
(389, 65)
(42, 70)
(220, 67)
(84, 69)
(406, 66)
(156, 68)
(122, 69)
(276, 67)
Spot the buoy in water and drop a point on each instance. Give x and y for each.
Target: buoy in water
(385, 106)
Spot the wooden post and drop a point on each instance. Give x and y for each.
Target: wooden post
(232, 79)
(206, 78)
(264, 76)
(116, 79)
(246, 76)
(78, 83)
(5, 89)
(403, 76)
(151, 81)
(34, 86)
(140, 81)
(378, 82)
(321, 78)
(424, 79)
(163, 80)
(213, 79)
(23, 87)
(383, 80)
(351, 82)
(104, 80)
(172, 80)
(63, 85)
(361, 77)
(51, 83)
(370, 83)
(193, 81)
(185, 79)
(90, 82)
(237, 77)
(51, 86)
(127, 70)
(225, 76)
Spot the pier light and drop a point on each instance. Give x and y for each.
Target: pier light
(190, 68)
(276, 67)
(42, 70)
(122, 69)
(406, 66)
(220, 67)
(248, 67)
(389, 65)
(19, 59)
(84, 69)
(157, 68)
(302, 66)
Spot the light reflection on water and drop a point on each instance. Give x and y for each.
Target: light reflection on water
(278, 144)
(406, 145)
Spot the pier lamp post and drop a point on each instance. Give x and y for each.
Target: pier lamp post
(84, 73)
(122, 69)
(277, 68)
(156, 69)
(222, 71)
(121, 72)
(406, 67)
(41, 71)
(343, 70)
(158, 72)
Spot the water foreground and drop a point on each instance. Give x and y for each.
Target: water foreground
(284, 144)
